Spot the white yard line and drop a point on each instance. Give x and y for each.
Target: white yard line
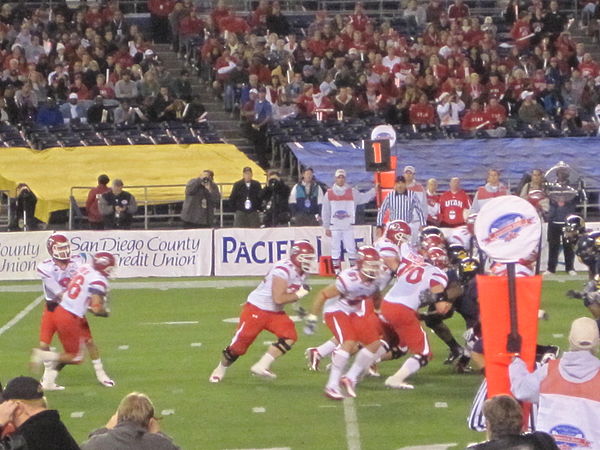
(351, 419)
(20, 315)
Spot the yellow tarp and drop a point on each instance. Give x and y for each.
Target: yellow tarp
(52, 172)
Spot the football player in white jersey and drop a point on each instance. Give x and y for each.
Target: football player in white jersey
(56, 273)
(350, 315)
(396, 234)
(86, 291)
(417, 284)
(264, 310)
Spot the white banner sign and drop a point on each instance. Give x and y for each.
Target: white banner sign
(241, 251)
(20, 254)
(177, 253)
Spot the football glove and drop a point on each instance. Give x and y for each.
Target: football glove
(303, 291)
(310, 324)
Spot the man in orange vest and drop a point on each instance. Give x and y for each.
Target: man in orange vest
(567, 390)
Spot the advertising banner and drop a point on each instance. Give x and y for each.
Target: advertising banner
(243, 252)
(176, 253)
(20, 254)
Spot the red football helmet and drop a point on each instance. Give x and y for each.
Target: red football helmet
(59, 247)
(104, 263)
(433, 240)
(368, 261)
(303, 255)
(397, 231)
(438, 257)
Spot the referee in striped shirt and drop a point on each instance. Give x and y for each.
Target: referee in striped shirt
(403, 205)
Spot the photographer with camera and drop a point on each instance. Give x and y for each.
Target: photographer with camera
(24, 206)
(201, 198)
(117, 207)
(275, 201)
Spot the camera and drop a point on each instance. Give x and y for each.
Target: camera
(273, 182)
(206, 180)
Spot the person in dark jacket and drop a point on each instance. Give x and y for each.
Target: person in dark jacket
(202, 196)
(277, 22)
(117, 207)
(275, 201)
(246, 201)
(305, 200)
(132, 427)
(25, 203)
(91, 205)
(23, 408)
(504, 422)
(561, 206)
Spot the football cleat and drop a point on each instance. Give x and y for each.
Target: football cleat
(105, 380)
(333, 394)
(373, 370)
(52, 387)
(218, 374)
(348, 386)
(312, 358)
(393, 383)
(262, 372)
(453, 356)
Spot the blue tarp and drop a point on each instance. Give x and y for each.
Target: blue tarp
(468, 159)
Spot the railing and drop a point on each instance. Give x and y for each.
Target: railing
(145, 200)
(5, 212)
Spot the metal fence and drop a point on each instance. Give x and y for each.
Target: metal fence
(146, 202)
(5, 211)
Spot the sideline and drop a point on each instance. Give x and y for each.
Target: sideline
(20, 315)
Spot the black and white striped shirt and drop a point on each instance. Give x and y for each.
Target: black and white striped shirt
(402, 206)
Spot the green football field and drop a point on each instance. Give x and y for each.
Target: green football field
(165, 336)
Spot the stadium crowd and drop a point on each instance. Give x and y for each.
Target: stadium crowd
(435, 69)
(88, 65)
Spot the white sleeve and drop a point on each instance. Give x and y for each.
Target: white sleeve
(525, 385)
(363, 197)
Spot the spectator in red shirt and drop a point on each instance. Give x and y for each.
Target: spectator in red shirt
(159, 18)
(454, 205)
(258, 19)
(521, 31)
(91, 205)
(190, 29)
(588, 67)
(475, 118)
(458, 10)
(220, 12)
(496, 112)
(422, 114)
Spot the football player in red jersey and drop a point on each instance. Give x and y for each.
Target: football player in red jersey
(56, 273)
(264, 310)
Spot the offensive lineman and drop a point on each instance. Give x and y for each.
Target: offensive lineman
(350, 315)
(264, 310)
(87, 290)
(417, 282)
(56, 273)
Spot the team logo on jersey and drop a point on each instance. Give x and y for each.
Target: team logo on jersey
(568, 436)
(507, 227)
(341, 214)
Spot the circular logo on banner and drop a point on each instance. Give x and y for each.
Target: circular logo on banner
(381, 132)
(508, 228)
